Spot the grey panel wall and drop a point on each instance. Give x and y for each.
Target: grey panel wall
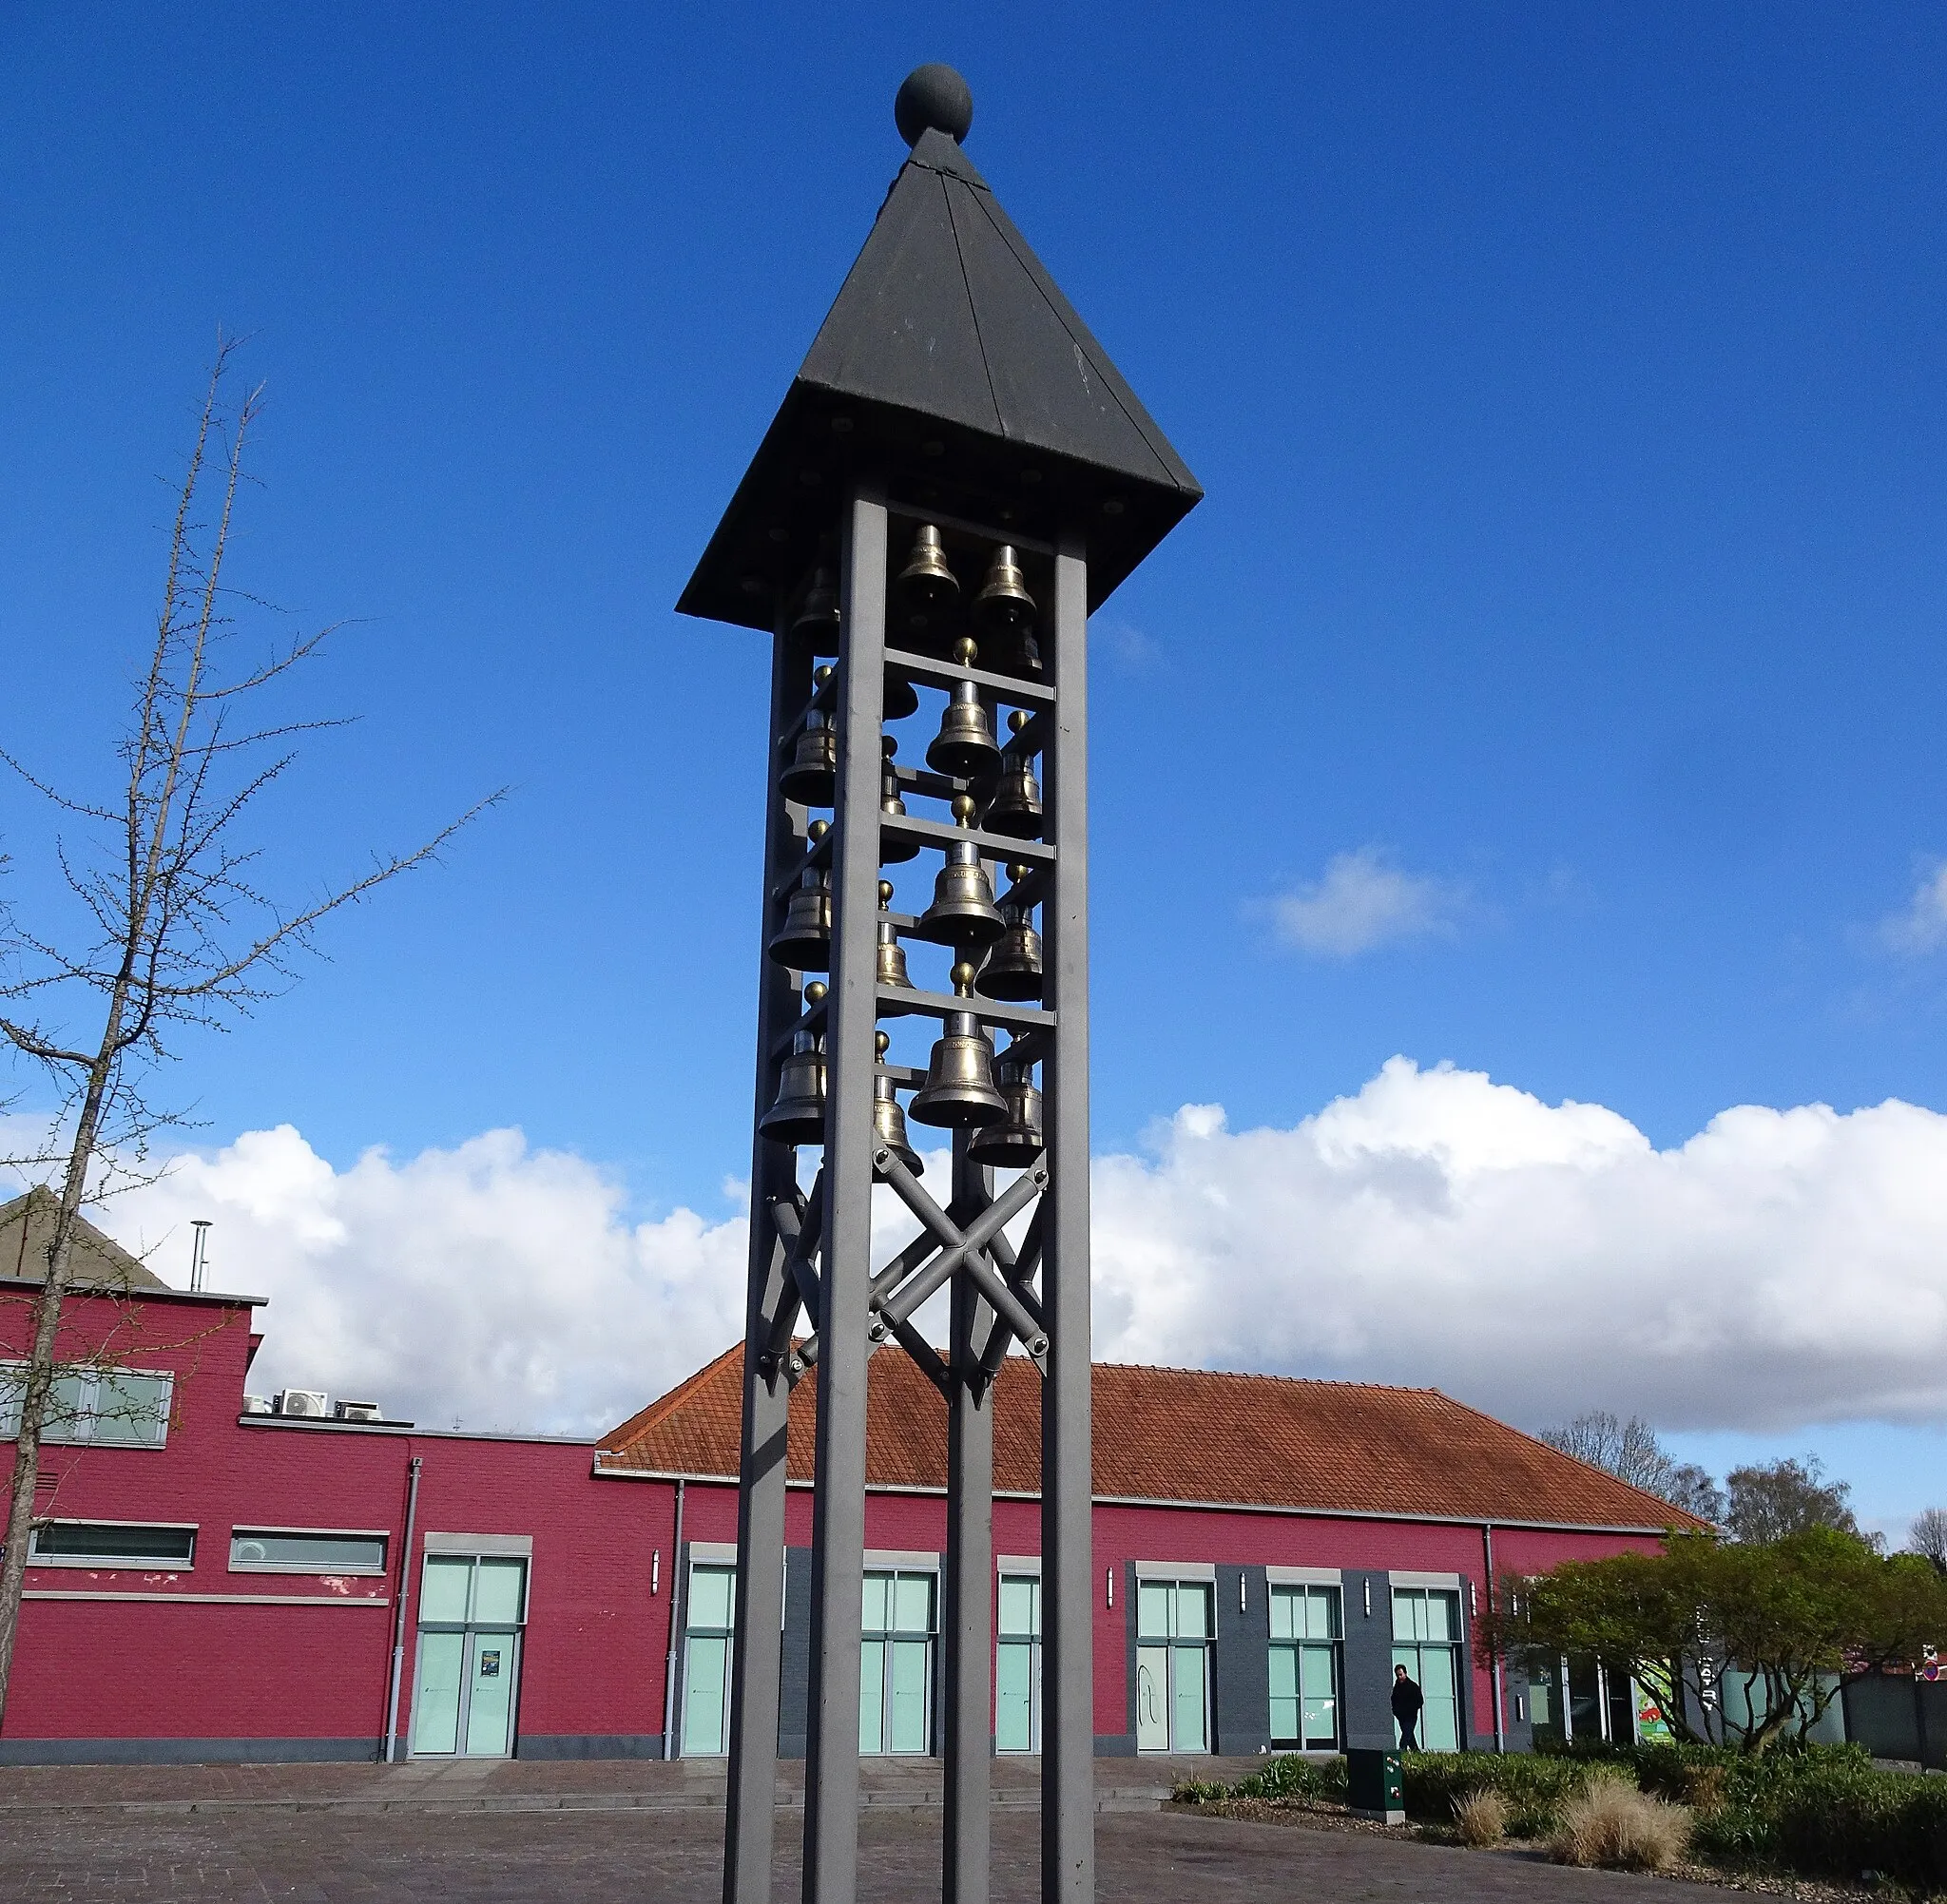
(1368, 1662)
(1477, 1728)
(1241, 1690)
(794, 1676)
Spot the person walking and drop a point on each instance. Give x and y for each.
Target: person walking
(1407, 1701)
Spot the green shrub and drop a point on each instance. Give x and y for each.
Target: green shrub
(1287, 1776)
(1534, 1787)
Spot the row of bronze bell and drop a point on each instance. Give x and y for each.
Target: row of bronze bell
(964, 749)
(966, 1088)
(963, 914)
(926, 598)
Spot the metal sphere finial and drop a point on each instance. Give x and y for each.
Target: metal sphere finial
(933, 97)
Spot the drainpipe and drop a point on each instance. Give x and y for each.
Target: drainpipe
(675, 1601)
(1494, 1657)
(399, 1615)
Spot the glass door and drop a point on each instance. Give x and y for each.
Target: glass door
(895, 1664)
(1305, 1668)
(707, 1643)
(1174, 1625)
(472, 1609)
(1018, 1665)
(1426, 1633)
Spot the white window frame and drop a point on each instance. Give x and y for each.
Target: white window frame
(246, 1532)
(115, 1563)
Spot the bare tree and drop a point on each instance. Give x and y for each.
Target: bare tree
(1630, 1451)
(176, 932)
(1928, 1536)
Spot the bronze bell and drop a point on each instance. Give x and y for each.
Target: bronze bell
(964, 747)
(812, 777)
(891, 849)
(798, 1114)
(817, 620)
(927, 589)
(958, 1093)
(1005, 610)
(888, 1120)
(963, 912)
(891, 965)
(804, 940)
(1016, 1141)
(1017, 808)
(1014, 965)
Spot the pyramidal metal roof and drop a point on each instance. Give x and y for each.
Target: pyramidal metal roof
(953, 369)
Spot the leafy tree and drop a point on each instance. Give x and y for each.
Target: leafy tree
(1927, 1537)
(1785, 1497)
(1801, 1615)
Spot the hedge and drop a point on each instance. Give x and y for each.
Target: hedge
(1822, 1811)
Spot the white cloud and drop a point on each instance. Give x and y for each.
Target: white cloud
(1923, 927)
(1780, 1269)
(1363, 903)
(490, 1284)
(1128, 644)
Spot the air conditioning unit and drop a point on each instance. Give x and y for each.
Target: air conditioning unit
(312, 1403)
(358, 1410)
(256, 1404)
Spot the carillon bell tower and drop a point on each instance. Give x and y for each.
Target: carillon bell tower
(956, 478)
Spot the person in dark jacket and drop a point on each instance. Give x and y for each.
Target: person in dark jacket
(1407, 1701)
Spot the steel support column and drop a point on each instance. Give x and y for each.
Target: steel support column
(1068, 1567)
(757, 1659)
(831, 1798)
(967, 1733)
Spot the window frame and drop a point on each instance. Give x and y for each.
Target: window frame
(79, 1433)
(115, 1563)
(253, 1529)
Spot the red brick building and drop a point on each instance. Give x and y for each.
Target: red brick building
(216, 1583)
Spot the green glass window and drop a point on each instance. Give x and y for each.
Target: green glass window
(262, 1550)
(1018, 1665)
(710, 1619)
(103, 1544)
(895, 1662)
(1305, 1668)
(105, 1407)
(1426, 1636)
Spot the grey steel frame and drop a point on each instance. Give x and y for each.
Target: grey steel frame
(849, 1311)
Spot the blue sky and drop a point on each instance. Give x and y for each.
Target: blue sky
(1552, 683)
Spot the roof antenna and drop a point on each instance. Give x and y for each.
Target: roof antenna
(199, 1252)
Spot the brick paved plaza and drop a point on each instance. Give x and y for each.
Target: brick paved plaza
(649, 1832)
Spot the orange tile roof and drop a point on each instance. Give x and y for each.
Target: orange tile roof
(1178, 1434)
